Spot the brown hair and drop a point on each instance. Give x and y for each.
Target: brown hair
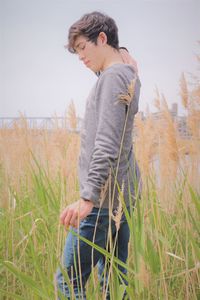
(89, 26)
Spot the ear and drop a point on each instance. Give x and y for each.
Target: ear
(102, 38)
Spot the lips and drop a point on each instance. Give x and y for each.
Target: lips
(86, 62)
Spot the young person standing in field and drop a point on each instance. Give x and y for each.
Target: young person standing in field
(107, 168)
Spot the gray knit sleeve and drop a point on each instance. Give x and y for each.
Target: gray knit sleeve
(110, 120)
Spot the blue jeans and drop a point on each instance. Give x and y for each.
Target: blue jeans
(79, 257)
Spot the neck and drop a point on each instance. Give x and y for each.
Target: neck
(112, 57)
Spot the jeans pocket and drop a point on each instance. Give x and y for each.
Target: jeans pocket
(98, 218)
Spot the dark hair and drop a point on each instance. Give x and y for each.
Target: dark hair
(89, 26)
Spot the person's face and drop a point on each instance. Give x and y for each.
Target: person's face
(91, 54)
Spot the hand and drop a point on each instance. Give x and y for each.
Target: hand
(128, 59)
(75, 212)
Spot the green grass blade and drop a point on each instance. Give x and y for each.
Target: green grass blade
(27, 280)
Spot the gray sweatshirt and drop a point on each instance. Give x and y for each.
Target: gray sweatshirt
(103, 173)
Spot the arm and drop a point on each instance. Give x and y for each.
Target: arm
(110, 114)
(128, 59)
(110, 120)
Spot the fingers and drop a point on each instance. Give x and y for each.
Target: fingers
(69, 217)
(74, 213)
(63, 215)
(74, 220)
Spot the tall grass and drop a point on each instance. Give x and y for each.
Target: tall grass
(38, 177)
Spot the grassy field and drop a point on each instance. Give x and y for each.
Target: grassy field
(38, 177)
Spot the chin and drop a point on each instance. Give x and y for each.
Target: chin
(96, 70)
(93, 68)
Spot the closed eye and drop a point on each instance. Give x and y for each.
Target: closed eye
(80, 47)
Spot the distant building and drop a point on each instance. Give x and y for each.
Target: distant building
(174, 110)
(179, 121)
(182, 127)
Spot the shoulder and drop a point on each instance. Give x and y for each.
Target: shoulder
(123, 73)
(119, 69)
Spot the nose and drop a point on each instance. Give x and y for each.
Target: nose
(81, 55)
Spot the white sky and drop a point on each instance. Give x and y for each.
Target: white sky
(38, 77)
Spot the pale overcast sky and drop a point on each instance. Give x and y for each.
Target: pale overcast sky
(38, 77)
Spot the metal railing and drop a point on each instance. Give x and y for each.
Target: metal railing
(38, 123)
